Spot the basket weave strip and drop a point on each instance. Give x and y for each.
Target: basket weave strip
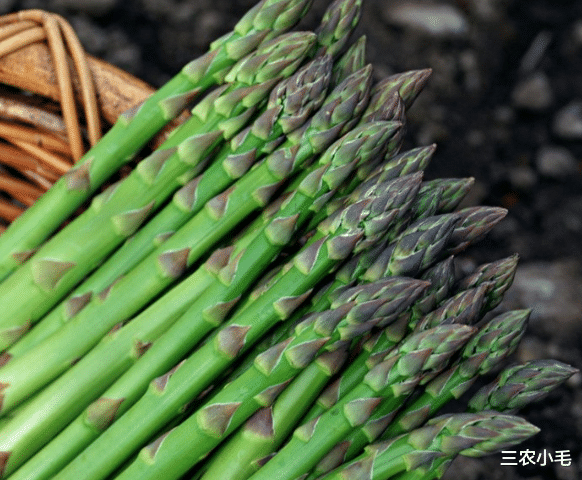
(41, 131)
(61, 37)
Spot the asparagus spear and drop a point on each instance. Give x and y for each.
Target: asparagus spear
(501, 273)
(353, 444)
(220, 295)
(430, 447)
(290, 104)
(60, 263)
(389, 383)
(440, 278)
(494, 279)
(168, 393)
(263, 434)
(184, 446)
(416, 248)
(131, 132)
(519, 385)
(494, 341)
(401, 192)
(24, 375)
(544, 375)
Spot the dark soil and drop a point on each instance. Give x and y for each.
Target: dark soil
(504, 105)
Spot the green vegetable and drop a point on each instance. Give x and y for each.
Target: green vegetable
(132, 131)
(26, 374)
(116, 214)
(388, 383)
(521, 385)
(269, 294)
(424, 451)
(247, 325)
(290, 105)
(494, 341)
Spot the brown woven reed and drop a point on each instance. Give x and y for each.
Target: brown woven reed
(55, 101)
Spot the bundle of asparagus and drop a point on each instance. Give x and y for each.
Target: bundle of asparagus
(270, 294)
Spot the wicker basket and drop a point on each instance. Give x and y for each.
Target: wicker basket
(55, 102)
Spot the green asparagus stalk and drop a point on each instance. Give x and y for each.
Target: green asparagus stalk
(494, 342)
(401, 193)
(430, 447)
(441, 277)
(221, 293)
(413, 248)
(168, 393)
(388, 383)
(354, 443)
(133, 130)
(247, 449)
(262, 435)
(290, 105)
(455, 191)
(113, 216)
(242, 268)
(350, 317)
(494, 279)
(26, 374)
(108, 360)
(520, 385)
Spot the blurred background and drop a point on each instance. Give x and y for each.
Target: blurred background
(504, 105)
